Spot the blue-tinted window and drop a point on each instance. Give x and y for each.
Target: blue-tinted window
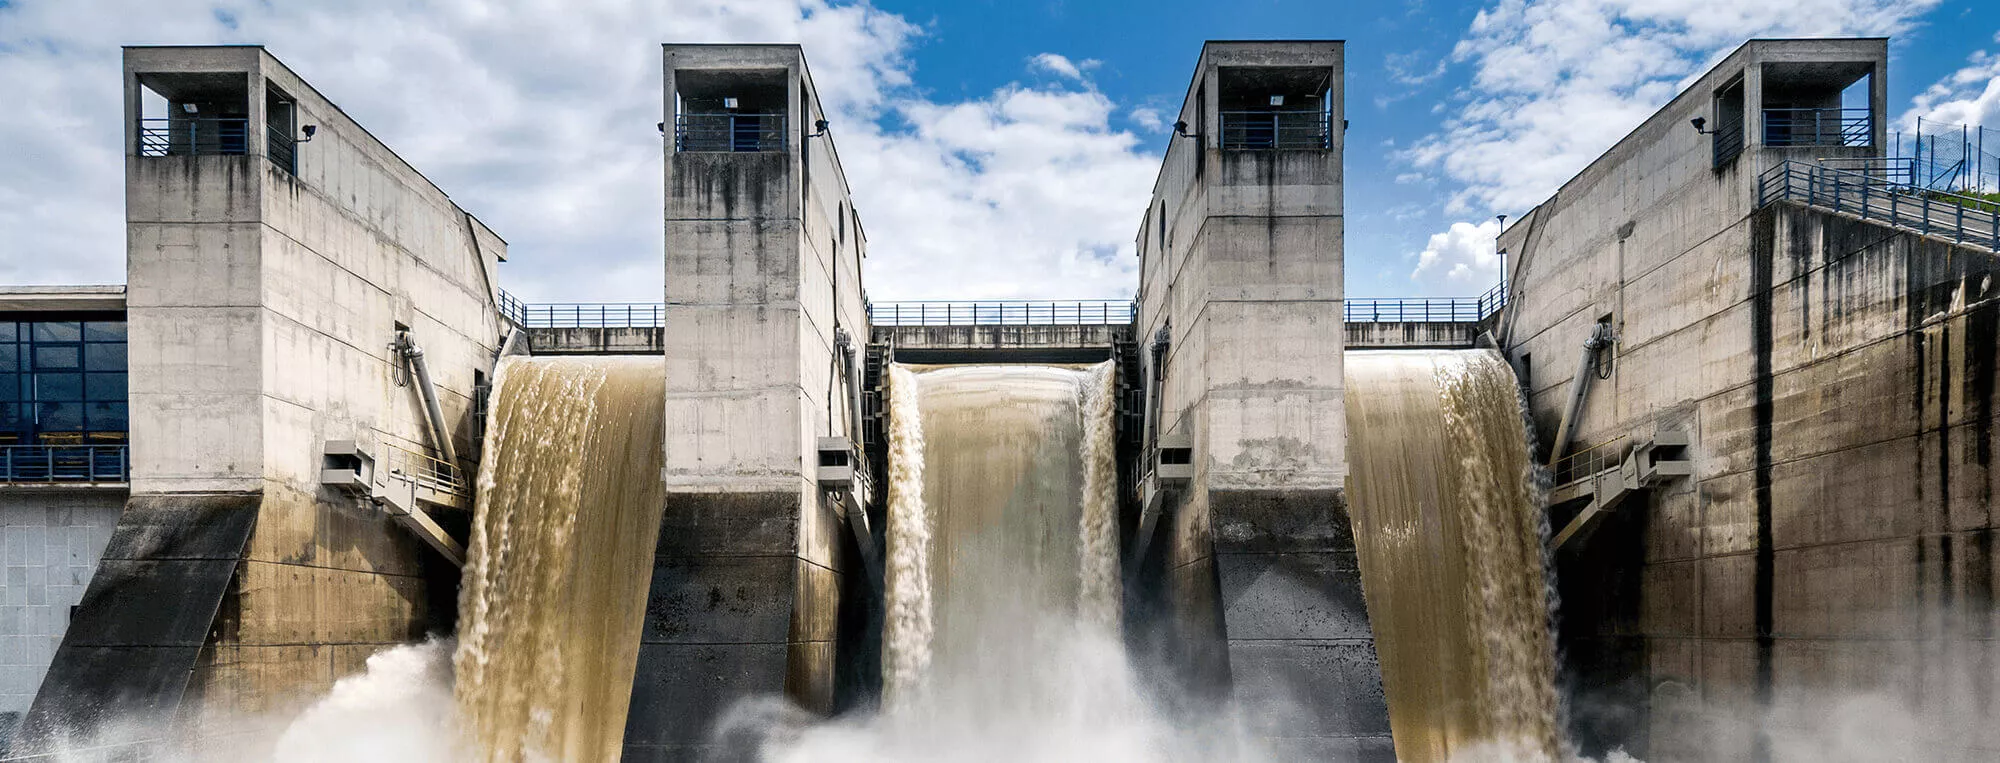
(57, 331)
(108, 418)
(58, 357)
(104, 388)
(104, 331)
(104, 357)
(58, 387)
(63, 382)
(60, 417)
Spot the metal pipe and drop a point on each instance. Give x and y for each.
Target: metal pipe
(1578, 385)
(440, 436)
(849, 356)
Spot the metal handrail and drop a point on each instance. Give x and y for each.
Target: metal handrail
(512, 308)
(732, 132)
(1728, 140)
(590, 315)
(65, 463)
(198, 136)
(1297, 129)
(1870, 196)
(1003, 313)
(1819, 127)
(1425, 309)
(426, 470)
(1589, 462)
(282, 149)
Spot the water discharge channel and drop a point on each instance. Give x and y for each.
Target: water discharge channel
(554, 593)
(1449, 528)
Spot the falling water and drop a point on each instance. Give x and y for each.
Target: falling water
(554, 591)
(1448, 525)
(906, 634)
(1015, 520)
(1002, 641)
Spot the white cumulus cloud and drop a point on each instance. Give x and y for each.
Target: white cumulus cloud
(1463, 259)
(1969, 96)
(539, 118)
(1556, 82)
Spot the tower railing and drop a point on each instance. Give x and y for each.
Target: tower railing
(1297, 129)
(731, 132)
(199, 136)
(1819, 127)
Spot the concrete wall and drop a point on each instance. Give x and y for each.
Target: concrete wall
(597, 340)
(763, 261)
(1003, 344)
(1410, 335)
(261, 306)
(1241, 260)
(1836, 378)
(50, 540)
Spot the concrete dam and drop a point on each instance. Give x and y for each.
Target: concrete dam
(1704, 478)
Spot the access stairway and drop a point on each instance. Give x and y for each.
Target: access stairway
(1662, 458)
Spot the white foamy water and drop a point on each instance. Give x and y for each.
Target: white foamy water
(1003, 639)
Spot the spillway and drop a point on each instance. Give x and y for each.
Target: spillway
(1449, 532)
(1002, 521)
(561, 555)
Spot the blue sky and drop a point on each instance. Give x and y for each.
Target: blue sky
(996, 149)
(1149, 57)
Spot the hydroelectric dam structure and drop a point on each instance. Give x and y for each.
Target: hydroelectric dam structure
(1711, 460)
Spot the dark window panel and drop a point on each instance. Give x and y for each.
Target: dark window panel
(60, 417)
(104, 387)
(58, 331)
(7, 331)
(104, 357)
(14, 417)
(10, 387)
(10, 357)
(108, 417)
(104, 331)
(58, 357)
(58, 387)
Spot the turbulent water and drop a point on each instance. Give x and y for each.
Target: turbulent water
(1015, 520)
(1002, 641)
(554, 591)
(1449, 529)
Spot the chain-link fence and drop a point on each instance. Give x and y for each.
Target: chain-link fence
(1952, 157)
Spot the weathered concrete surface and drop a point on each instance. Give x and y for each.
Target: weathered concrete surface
(764, 253)
(1241, 263)
(261, 304)
(1837, 379)
(1412, 335)
(597, 340)
(1002, 344)
(85, 299)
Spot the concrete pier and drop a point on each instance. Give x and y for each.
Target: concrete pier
(1240, 269)
(763, 265)
(267, 275)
